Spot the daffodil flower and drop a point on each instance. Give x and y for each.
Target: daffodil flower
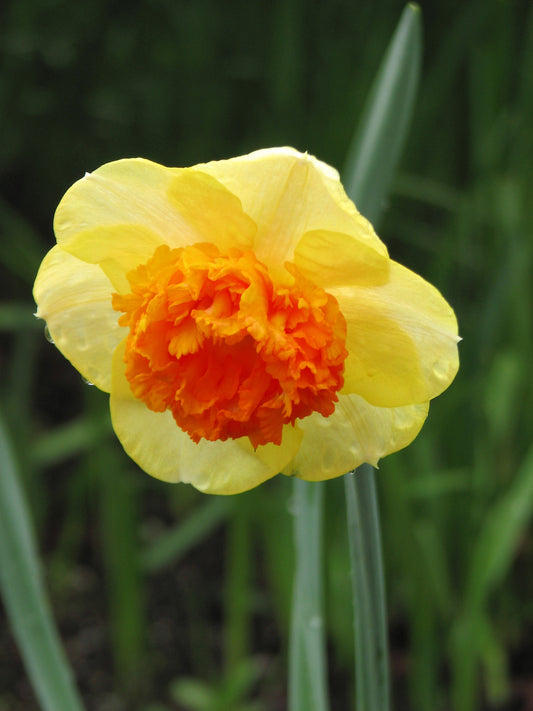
(245, 319)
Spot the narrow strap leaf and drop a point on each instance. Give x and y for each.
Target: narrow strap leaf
(377, 144)
(24, 595)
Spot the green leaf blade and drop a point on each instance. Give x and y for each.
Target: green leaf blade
(377, 144)
(24, 596)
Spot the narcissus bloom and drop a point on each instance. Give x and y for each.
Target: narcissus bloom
(245, 319)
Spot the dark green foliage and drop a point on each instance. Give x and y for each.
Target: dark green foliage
(182, 82)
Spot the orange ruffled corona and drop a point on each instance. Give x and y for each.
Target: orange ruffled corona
(228, 352)
(245, 319)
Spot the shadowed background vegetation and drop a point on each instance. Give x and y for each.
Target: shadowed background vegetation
(170, 600)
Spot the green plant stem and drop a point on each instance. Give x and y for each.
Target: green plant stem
(370, 619)
(124, 585)
(24, 595)
(238, 575)
(368, 172)
(307, 658)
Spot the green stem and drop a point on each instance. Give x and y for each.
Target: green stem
(124, 584)
(307, 658)
(238, 585)
(24, 595)
(370, 617)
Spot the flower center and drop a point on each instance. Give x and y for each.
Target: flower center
(226, 350)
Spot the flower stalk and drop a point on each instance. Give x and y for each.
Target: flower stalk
(307, 655)
(370, 615)
(370, 166)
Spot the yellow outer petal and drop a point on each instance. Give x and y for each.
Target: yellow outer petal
(215, 214)
(119, 214)
(74, 298)
(164, 451)
(117, 249)
(331, 259)
(287, 194)
(130, 191)
(402, 340)
(355, 433)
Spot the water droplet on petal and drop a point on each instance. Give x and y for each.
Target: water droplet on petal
(87, 382)
(441, 370)
(48, 335)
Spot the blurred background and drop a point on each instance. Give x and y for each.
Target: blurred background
(168, 600)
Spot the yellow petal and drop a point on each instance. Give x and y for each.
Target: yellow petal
(287, 194)
(334, 259)
(131, 191)
(116, 248)
(402, 340)
(162, 449)
(118, 215)
(355, 433)
(211, 210)
(74, 298)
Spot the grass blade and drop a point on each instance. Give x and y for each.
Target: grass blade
(119, 503)
(168, 548)
(499, 537)
(492, 556)
(24, 596)
(70, 439)
(379, 139)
